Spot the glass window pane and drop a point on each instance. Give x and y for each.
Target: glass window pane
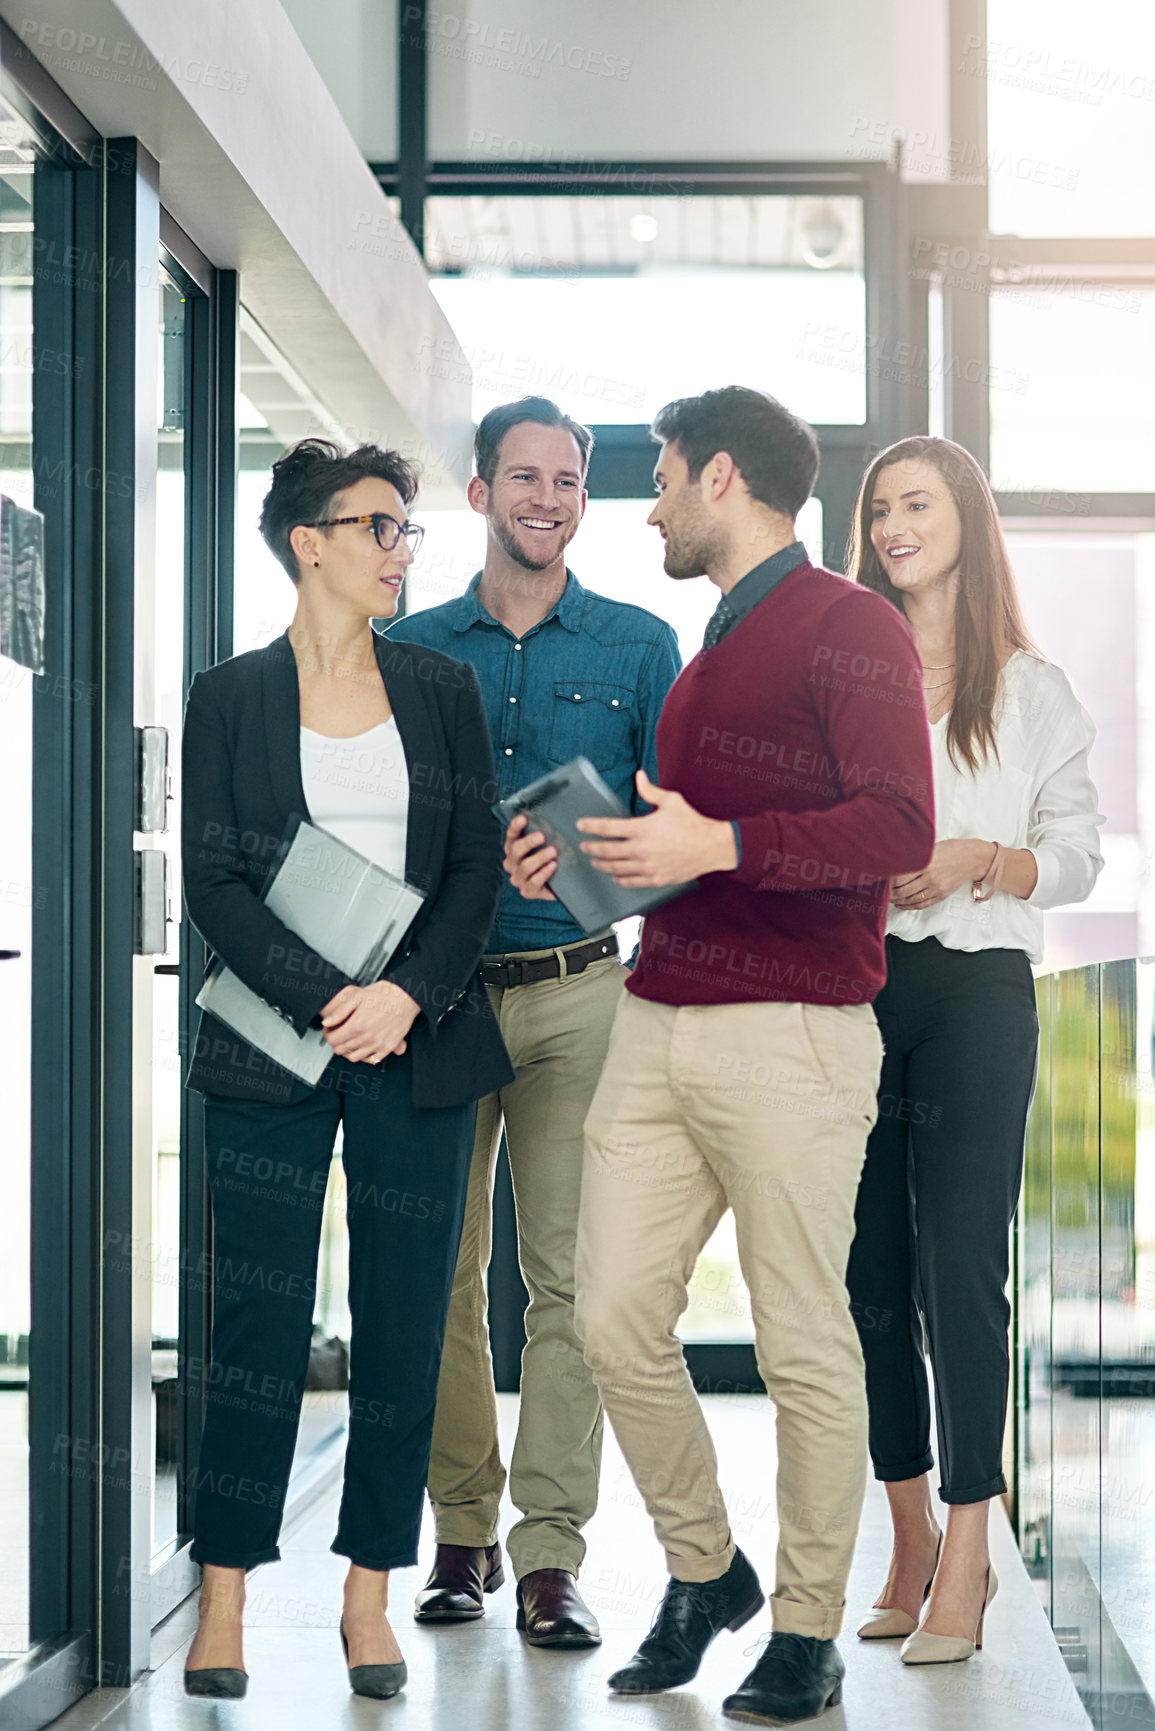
(263, 597)
(275, 408)
(167, 705)
(1070, 115)
(1126, 1335)
(18, 893)
(1076, 1273)
(615, 553)
(1033, 1382)
(1108, 652)
(599, 301)
(1072, 416)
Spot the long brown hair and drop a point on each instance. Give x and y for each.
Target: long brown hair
(988, 621)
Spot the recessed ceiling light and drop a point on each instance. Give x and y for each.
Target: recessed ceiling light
(644, 227)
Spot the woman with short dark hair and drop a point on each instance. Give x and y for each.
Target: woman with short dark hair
(1016, 832)
(384, 746)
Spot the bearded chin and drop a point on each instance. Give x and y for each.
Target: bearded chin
(509, 544)
(682, 563)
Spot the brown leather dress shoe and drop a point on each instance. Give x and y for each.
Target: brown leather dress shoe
(551, 1612)
(461, 1575)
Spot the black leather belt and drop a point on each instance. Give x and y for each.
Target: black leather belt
(507, 971)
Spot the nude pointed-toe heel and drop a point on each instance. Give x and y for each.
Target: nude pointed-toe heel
(888, 1623)
(924, 1649)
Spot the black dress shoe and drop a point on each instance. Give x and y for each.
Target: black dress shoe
(688, 1618)
(461, 1575)
(552, 1613)
(218, 1682)
(797, 1677)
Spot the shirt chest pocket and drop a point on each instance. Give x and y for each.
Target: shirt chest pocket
(591, 718)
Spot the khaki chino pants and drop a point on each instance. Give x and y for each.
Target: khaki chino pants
(763, 1108)
(557, 1032)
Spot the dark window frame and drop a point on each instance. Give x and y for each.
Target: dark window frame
(61, 1662)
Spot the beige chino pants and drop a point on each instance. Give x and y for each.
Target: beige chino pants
(763, 1108)
(557, 1032)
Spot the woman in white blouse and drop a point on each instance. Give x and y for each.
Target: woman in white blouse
(1016, 832)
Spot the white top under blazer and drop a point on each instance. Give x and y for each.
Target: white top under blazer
(358, 790)
(1036, 794)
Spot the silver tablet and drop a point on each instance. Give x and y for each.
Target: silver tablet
(554, 803)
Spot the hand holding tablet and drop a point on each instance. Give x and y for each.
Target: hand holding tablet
(553, 806)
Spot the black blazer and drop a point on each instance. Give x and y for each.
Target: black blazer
(242, 786)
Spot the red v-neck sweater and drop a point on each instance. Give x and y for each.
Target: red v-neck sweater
(806, 726)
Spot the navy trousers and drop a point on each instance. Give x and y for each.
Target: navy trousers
(406, 1169)
(944, 1163)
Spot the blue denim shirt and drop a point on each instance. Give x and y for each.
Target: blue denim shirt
(589, 679)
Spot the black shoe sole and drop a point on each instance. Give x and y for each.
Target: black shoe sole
(749, 1717)
(490, 1585)
(737, 1622)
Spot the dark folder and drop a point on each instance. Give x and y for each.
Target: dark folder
(554, 803)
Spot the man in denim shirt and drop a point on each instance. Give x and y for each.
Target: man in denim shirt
(562, 672)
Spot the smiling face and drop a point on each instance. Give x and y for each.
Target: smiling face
(536, 499)
(915, 526)
(345, 564)
(690, 539)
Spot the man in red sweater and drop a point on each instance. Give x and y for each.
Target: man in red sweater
(795, 773)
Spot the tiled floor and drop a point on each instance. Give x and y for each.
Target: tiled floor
(482, 1677)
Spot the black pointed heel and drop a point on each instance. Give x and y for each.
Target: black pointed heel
(379, 1682)
(220, 1682)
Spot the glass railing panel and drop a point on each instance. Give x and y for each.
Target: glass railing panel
(1075, 1288)
(1127, 1230)
(1085, 1320)
(1033, 1320)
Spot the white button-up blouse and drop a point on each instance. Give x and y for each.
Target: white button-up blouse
(1036, 794)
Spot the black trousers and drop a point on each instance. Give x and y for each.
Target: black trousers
(406, 1170)
(940, 1184)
